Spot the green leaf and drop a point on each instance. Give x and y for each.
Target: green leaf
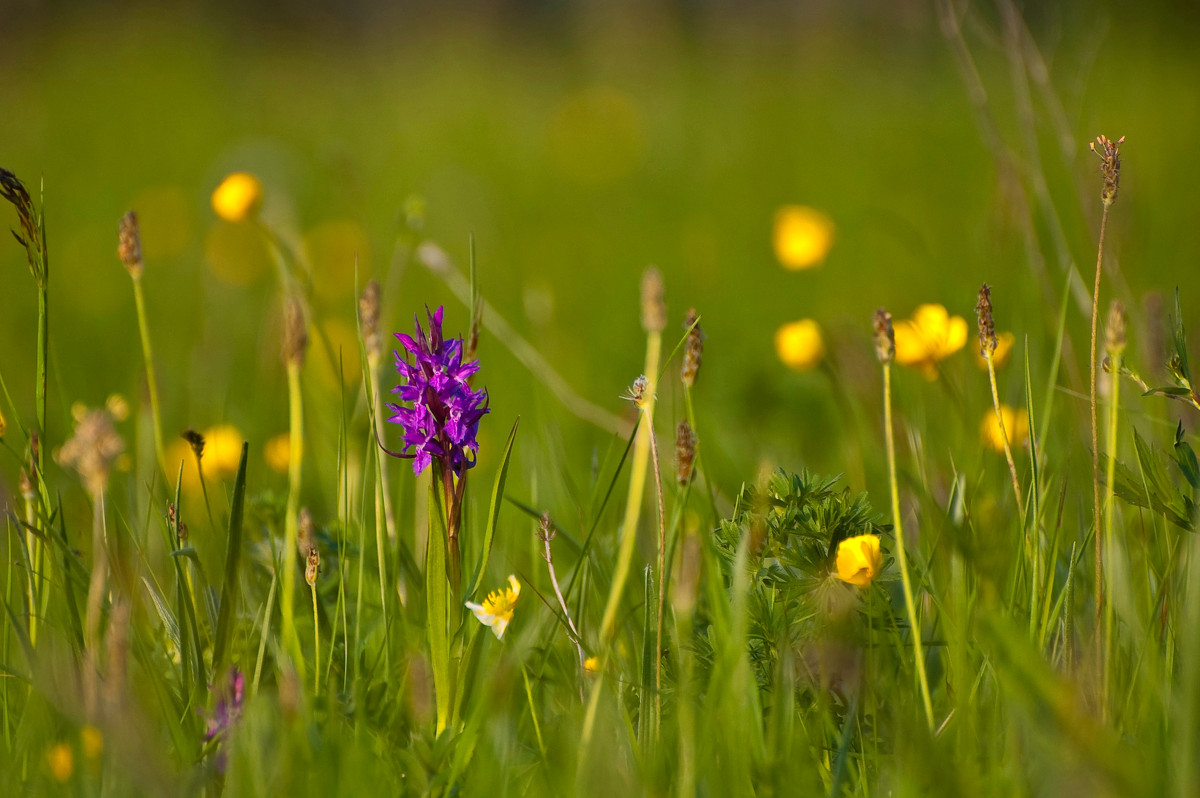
(494, 510)
(1186, 458)
(233, 552)
(1179, 339)
(1169, 390)
(164, 613)
(437, 589)
(646, 732)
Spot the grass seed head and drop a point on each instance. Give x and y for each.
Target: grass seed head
(693, 349)
(368, 310)
(314, 565)
(638, 392)
(1114, 329)
(195, 440)
(885, 336)
(129, 244)
(1110, 166)
(987, 325)
(295, 333)
(685, 452)
(306, 537)
(654, 307)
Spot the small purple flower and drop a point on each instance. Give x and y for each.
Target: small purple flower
(227, 712)
(445, 413)
(229, 704)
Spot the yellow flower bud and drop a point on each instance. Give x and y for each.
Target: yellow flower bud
(859, 560)
(238, 198)
(799, 344)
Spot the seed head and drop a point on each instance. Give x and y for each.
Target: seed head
(314, 565)
(987, 326)
(1114, 329)
(1110, 166)
(685, 452)
(93, 449)
(129, 244)
(26, 486)
(368, 311)
(654, 307)
(295, 333)
(195, 440)
(306, 537)
(885, 336)
(546, 531)
(693, 349)
(30, 237)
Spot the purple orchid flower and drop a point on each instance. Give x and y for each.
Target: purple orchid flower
(444, 417)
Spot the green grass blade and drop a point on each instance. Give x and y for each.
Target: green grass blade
(437, 589)
(494, 509)
(233, 553)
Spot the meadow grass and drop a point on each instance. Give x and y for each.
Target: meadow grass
(1003, 612)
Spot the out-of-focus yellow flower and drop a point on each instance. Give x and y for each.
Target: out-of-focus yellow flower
(222, 454)
(3, 424)
(799, 344)
(277, 452)
(1004, 346)
(118, 407)
(1016, 424)
(238, 198)
(93, 742)
(859, 560)
(931, 335)
(61, 762)
(591, 666)
(497, 609)
(803, 236)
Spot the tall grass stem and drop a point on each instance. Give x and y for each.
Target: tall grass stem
(901, 556)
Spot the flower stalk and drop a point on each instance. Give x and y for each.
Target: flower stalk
(987, 348)
(129, 250)
(885, 349)
(1110, 171)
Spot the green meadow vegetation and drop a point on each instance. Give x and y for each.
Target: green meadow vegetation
(360, 450)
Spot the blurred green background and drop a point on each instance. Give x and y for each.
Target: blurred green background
(580, 143)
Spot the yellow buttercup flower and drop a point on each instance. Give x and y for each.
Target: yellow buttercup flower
(497, 609)
(799, 344)
(277, 451)
(1004, 347)
(931, 335)
(238, 198)
(803, 236)
(61, 762)
(1016, 424)
(591, 666)
(222, 454)
(859, 560)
